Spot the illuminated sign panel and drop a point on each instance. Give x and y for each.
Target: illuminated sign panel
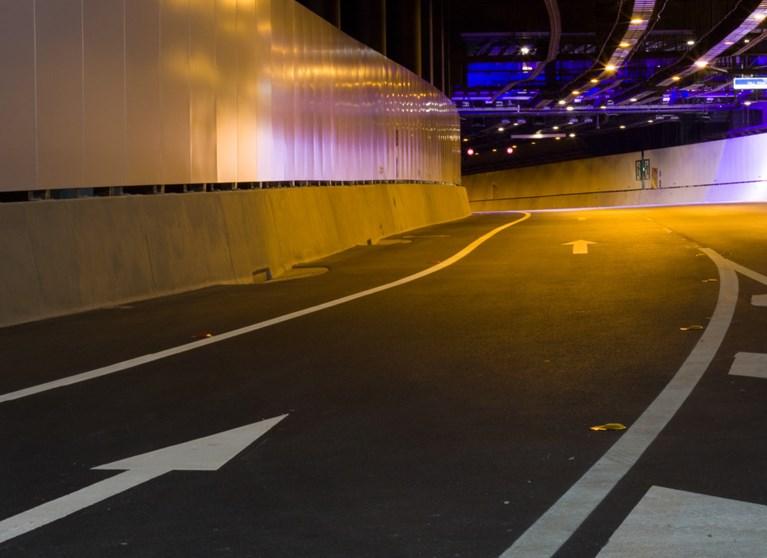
(749, 83)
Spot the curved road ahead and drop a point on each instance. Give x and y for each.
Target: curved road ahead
(445, 415)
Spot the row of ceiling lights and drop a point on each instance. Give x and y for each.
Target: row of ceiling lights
(612, 68)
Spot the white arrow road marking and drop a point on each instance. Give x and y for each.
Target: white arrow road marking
(544, 537)
(579, 246)
(152, 357)
(203, 454)
(750, 364)
(684, 524)
(750, 273)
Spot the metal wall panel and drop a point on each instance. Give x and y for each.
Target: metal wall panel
(174, 91)
(227, 48)
(104, 92)
(248, 68)
(203, 79)
(59, 92)
(144, 112)
(17, 95)
(133, 92)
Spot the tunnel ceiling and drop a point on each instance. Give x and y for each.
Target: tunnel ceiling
(543, 80)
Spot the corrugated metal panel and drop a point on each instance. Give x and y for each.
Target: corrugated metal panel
(17, 95)
(132, 92)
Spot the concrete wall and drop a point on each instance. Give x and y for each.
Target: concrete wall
(65, 256)
(725, 170)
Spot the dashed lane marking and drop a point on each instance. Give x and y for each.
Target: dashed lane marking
(152, 357)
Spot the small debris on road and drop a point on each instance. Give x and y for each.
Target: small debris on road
(711, 280)
(694, 327)
(203, 335)
(608, 426)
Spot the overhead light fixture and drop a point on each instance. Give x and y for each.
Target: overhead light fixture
(576, 92)
(675, 78)
(570, 109)
(760, 16)
(611, 68)
(465, 139)
(690, 42)
(624, 44)
(622, 126)
(537, 135)
(729, 43)
(701, 63)
(633, 99)
(525, 50)
(557, 138)
(470, 152)
(594, 80)
(746, 41)
(510, 150)
(572, 135)
(501, 129)
(555, 127)
(561, 102)
(650, 121)
(516, 123)
(636, 21)
(495, 150)
(747, 103)
(603, 107)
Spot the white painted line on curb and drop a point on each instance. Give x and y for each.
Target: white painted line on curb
(750, 364)
(558, 524)
(152, 357)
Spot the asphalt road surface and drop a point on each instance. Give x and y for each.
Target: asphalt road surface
(446, 415)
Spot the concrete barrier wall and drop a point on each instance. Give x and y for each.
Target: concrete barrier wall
(65, 256)
(725, 170)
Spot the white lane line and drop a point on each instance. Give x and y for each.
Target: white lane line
(750, 364)
(682, 524)
(759, 300)
(152, 357)
(559, 523)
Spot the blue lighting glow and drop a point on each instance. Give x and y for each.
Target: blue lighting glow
(498, 74)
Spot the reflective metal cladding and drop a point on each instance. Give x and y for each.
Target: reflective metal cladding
(130, 92)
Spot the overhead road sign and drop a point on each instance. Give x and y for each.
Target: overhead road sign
(758, 82)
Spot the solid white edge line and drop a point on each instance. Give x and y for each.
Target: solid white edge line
(559, 523)
(152, 357)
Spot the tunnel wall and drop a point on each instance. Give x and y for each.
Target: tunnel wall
(144, 92)
(64, 256)
(719, 171)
